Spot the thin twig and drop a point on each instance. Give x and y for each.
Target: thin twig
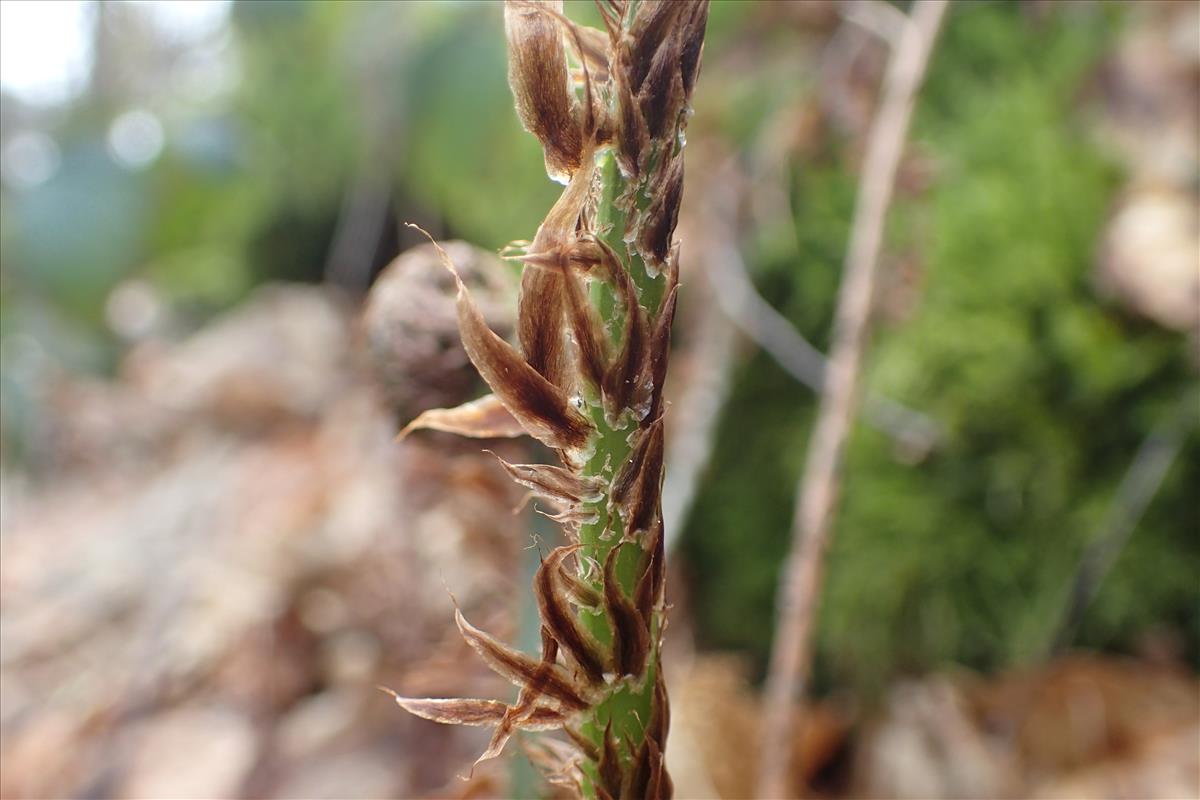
(754, 316)
(880, 18)
(1138, 487)
(800, 586)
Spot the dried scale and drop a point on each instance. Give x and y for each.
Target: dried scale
(598, 292)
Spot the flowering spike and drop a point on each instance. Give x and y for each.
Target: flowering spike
(587, 381)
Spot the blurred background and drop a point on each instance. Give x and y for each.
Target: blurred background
(214, 551)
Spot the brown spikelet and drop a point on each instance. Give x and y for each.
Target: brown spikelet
(609, 770)
(527, 709)
(521, 669)
(654, 238)
(539, 325)
(662, 94)
(453, 710)
(475, 712)
(660, 351)
(630, 635)
(637, 780)
(585, 328)
(648, 593)
(660, 710)
(650, 27)
(552, 9)
(643, 500)
(692, 33)
(632, 137)
(576, 642)
(557, 484)
(636, 487)
(485, 418)
(540, 81)
(659, 786)
(621, 379)
(582, 592)
(648, 777)
(541, 407)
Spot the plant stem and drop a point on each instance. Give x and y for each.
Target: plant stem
(627, 708)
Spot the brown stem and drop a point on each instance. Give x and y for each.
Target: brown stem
(800, 587)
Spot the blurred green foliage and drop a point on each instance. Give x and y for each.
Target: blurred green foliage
(1046, 392)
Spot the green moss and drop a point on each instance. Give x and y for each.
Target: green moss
(1045, 391)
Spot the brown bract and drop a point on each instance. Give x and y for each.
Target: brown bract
(630, 631)
(485, 418)
(538, 76)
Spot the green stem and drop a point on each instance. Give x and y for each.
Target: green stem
(627, 708)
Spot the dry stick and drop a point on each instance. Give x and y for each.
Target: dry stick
(754, 316)
(800, 586)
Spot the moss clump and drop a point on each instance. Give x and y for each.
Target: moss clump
(1045, 390)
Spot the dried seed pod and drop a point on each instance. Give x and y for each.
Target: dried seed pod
(409, 331)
